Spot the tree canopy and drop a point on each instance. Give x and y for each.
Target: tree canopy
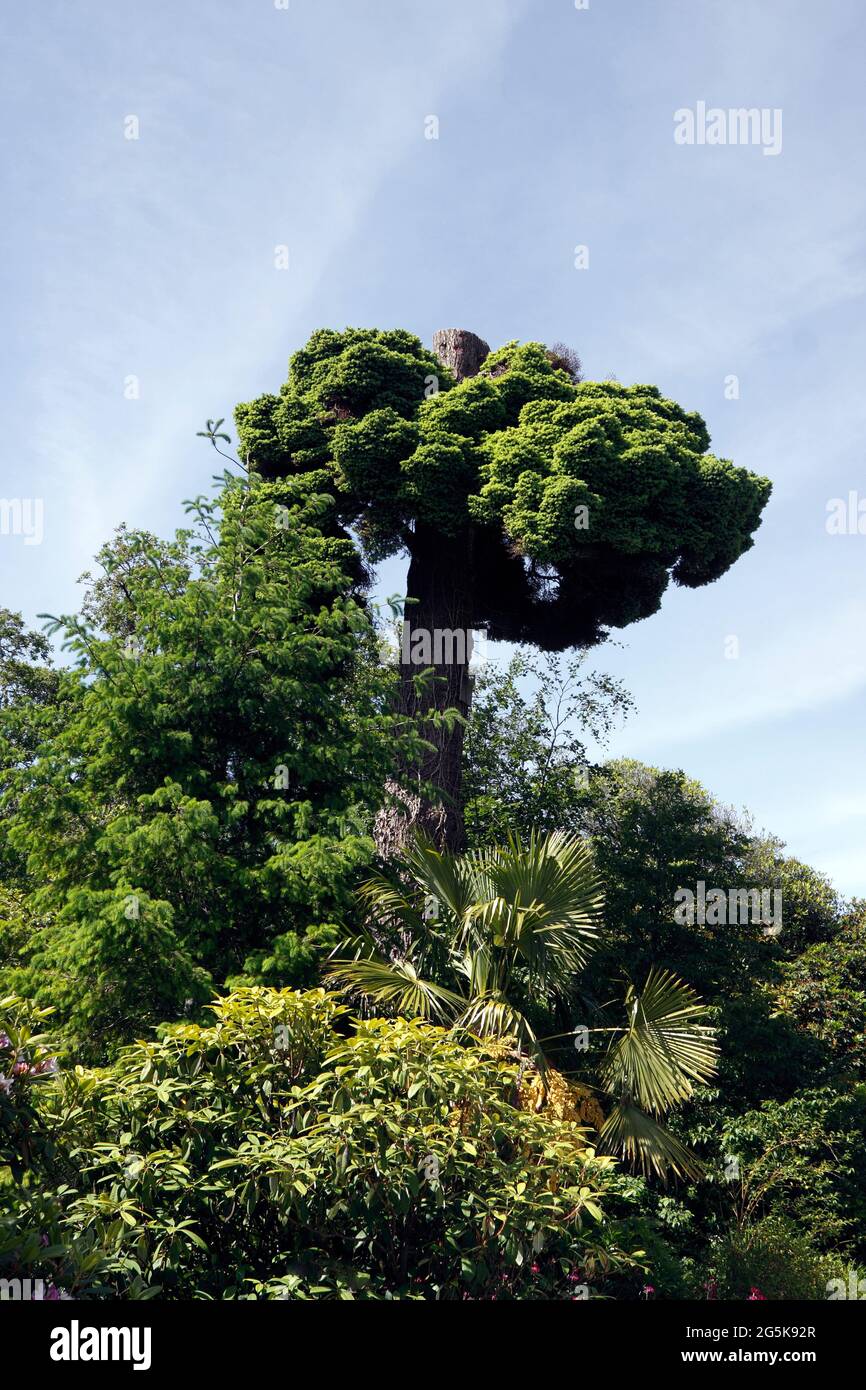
(503, 461)
(533, 506)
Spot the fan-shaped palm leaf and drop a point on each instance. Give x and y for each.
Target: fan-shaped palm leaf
(397, 985)
(491, 1016)
(455, 883)
(544, 905)
(665, 1048)
(390, 902)
(634, 1135)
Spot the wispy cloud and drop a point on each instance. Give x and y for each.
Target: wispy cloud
(162, 266)
(805, 665)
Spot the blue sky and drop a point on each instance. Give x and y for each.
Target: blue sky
(154, 258)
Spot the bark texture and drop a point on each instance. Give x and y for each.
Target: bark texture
(437, 625)
(459, 350)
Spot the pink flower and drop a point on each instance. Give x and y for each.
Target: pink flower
(47, 1067)
(647, 1290)
(755, 1294)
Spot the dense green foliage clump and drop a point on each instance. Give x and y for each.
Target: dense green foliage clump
(207, 770)
(609, 490)
(271, 1154)
(531, 505)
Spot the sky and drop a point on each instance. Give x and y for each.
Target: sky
(157, 154)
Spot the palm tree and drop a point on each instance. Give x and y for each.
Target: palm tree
(468, 940)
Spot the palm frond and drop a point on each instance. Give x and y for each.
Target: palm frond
(451, 880)
(426, 875)
(665, 1048)
(545, 903)
(631, 1134)
(390, 902)
(396, 985)
(481, 968)
(491, 1016)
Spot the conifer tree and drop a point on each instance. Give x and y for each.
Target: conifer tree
(534, 506)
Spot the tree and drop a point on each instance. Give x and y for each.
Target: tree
(655, 831)
(208, 799)
(25, 664)
(530, 505)
(811, 907)
(525, 761)
(478, 940)
(823, 992)
(33, 695)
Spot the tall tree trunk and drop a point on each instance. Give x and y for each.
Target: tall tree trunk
(436, 634)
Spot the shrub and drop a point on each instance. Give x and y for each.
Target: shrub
(275, 1153)
(773, 1258)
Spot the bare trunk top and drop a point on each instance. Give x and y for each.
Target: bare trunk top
(459, 350)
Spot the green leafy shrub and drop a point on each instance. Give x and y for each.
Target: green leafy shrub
(802, 1161)
(664, 1273)
(774, 1259)
(274, 1153)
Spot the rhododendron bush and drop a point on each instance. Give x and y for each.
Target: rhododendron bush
(283, 1151)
